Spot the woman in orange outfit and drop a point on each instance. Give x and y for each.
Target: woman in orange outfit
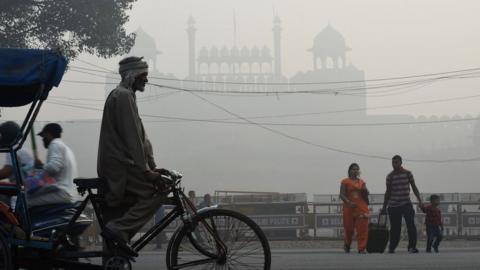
(354, 195)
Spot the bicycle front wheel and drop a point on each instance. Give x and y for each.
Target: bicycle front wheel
(220, 239)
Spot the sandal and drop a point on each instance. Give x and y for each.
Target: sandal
(119, 242)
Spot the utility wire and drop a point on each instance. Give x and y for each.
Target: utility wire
(283, 134)
(94, 65)
(452, 72)
(333, 149)
(307, 113)
(229, 121)
(334, 91)
(363, 108)
(322, 91)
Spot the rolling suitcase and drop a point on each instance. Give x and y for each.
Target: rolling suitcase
(378, 235)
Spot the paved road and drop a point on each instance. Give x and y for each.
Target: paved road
(329, 259)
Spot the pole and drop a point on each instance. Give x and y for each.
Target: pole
(34, 143)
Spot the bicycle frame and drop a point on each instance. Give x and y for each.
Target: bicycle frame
(184, 209)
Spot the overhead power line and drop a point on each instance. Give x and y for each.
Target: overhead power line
(333, 149)
(298, 139)
(394, 88)
(332, 91)
(95, 65)
(291, 114)
(363, 108)
(335, 124)
(327, 82)
(444, 73)
(229, 120)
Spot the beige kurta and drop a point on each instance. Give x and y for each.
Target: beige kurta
(123, 148)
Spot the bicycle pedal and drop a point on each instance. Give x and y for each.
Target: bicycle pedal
(124, 250)
(119, 244)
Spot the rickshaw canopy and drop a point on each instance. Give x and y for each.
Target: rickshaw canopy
(27, 73)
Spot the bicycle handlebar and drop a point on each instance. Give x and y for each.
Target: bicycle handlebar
(175, 175)
(172, 177)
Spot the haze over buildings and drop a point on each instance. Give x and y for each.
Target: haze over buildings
(285, 49)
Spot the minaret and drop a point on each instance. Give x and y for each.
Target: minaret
(191, 47)
(277, 29)
(234, 29)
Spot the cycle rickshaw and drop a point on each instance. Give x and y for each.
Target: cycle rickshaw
(210, 238)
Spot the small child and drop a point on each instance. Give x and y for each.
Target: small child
(433, 221)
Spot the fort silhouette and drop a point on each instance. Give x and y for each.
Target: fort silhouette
(255, 67)
(232, 154)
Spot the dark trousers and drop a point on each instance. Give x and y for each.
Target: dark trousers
(395, 214)
(434, 236)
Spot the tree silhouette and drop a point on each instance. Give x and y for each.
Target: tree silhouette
(73, 26)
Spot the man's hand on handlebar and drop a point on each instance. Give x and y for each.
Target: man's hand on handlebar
(172, 173)
(163, 171)
(161, 183)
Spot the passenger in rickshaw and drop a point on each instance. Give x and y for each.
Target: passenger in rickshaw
(125, 158)
(48, 188)
(9, 133)
(59, 165)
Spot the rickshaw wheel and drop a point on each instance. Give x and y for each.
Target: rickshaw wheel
(5, 254)
(118, 263)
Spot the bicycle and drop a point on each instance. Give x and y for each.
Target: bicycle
(210, 238)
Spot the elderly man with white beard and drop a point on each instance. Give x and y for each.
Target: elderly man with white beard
(125, 158)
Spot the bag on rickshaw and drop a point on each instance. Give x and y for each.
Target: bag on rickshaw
(35, 179)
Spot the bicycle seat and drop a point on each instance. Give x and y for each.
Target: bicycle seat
(91, 183)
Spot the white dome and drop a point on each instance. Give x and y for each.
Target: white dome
(329, 42)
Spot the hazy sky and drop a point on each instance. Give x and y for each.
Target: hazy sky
(387, 38)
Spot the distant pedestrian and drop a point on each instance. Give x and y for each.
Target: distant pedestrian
(354, 194)
(207, 201)
(397, 198)
(433, 223)
(192, 197)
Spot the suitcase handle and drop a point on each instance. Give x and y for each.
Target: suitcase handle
(382, 216)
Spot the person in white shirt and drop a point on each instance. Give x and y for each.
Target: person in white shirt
(61, 165)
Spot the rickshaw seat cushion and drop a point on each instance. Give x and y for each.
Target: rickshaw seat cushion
(9, 189)
(91, 183)
(45, 218)
(43, 211)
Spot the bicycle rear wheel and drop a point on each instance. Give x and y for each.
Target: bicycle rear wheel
(244, 243)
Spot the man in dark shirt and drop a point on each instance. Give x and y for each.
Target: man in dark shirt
(397, 197)
(433, 222)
